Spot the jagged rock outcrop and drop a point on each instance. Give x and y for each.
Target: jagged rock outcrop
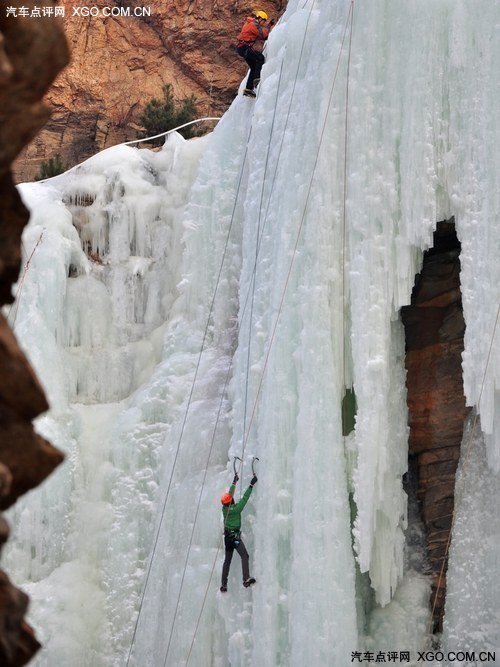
(435, 327)
(119, 63)
(32, 52)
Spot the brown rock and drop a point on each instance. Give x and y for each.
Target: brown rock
(5, 480)
(26, 41)
(5, 64)
(13, 217)
(4, 530)
(434, 328)
(440, 285)
(28, 456)
(32, 51)
(17, 640)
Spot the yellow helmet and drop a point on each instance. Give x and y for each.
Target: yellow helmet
(261, 15)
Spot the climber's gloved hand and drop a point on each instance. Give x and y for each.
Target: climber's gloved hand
(271, 22)
(253, 480)
(236, 478)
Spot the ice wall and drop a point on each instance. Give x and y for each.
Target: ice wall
(473, 583)
(216, 299)
(93, 325)
(475, 133)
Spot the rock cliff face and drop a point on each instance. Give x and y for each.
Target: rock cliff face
(435, 328)
(25, 458)
(119, 63)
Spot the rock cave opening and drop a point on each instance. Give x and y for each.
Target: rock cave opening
(434, 333)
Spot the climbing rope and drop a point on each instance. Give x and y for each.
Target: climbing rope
(272, 337)
(292, 97)
(255, 458)
(20, 287)
(344, 203)
(208, 460)
(188, 405)
(259, 239)
(306, 204)
(198, 505)
(164, 134)
(257, 249)
(273, 180)
(138, 141)
(216, 423)
(252, 281)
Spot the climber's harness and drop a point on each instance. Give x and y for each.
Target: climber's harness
(244, 48)
(232, 538)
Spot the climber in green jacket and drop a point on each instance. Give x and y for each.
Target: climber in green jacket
(231, 514)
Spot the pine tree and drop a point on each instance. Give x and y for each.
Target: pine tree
(162, 115)
(51, 167)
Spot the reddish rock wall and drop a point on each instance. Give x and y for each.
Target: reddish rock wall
(32, 51)
(435, 328)
(120, 63)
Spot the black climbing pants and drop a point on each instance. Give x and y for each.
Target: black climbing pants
(254, 60)
(233, 542)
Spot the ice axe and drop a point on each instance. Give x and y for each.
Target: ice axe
(255, 458)
(236, 458)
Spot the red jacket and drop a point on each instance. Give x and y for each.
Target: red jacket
(251, 32)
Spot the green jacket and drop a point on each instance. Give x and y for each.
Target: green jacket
(231, 514)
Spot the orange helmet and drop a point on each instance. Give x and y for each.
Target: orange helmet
(226, 499)
(261, 15)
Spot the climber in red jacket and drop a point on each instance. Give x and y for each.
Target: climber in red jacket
(253, 31)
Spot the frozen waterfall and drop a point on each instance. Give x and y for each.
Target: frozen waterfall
(216, 299)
